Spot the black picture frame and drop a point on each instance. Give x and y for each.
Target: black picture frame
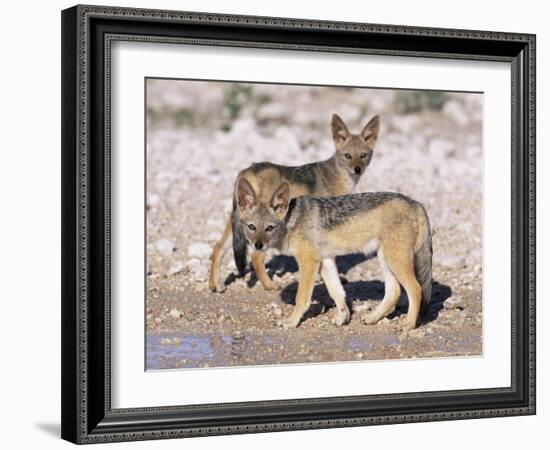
(87, 33)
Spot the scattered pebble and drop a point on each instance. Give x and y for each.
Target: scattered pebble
(417, 332)
(175, 313)
(451, 261)
(213, 236)
(200, 250)
(168, 341)
(453, 303)
(197, 269)
(153, 200)
(441, 148)
(456, 111)
(176, 267)
(165, 246)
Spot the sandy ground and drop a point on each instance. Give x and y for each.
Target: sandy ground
(201, 134)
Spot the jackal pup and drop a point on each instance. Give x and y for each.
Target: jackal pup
(317, 229)
(335, 176)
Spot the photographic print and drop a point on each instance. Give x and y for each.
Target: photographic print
(294, 224)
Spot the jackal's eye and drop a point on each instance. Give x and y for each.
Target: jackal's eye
(347, 155)
(251, 227)
(363, 155)
(269, 228)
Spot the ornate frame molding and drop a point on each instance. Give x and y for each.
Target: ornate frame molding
(84, 423)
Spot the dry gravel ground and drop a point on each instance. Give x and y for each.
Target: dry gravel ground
(201, 134)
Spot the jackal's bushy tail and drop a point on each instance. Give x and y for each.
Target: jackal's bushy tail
(423, 266)
(239, 241)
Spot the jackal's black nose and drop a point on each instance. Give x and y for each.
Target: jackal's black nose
(358, 170)
(258, 245)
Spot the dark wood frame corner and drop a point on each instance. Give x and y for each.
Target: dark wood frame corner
(87, 33)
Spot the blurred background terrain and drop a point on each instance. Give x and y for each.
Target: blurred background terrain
(201, 134)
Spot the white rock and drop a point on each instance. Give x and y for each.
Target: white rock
(453, 302)
(451, 261)
(273, 111)
(213, 236)
(175, 313)
(165, 246)
(457, 112)
(404, 123)
(165, 341)
(153, 200)
(441, 148)
(199, 250)
(287, 137)
(176, 267)
(198, 270)
(216, 223)
(241, 128)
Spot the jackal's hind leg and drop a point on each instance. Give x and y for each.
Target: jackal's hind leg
(391, 294)
(215, 282)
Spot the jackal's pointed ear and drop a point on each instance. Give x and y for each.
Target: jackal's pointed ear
(279, 201)
(339, 130)
(245, 194)
(370, 132)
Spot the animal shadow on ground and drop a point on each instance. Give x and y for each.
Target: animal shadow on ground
(282, 264)
(357, 290)
(365, 290)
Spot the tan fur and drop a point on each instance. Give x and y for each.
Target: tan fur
(396, 227)
(308, 263)
(258, 261)
(217, 255)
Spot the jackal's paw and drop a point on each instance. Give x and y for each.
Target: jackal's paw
(216, 286)
(370, 319)
(341, 317)
(288, 323)
(271, 285)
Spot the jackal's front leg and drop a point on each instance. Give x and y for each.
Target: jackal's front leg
(308, 267)
(329, 273)
(258, 262)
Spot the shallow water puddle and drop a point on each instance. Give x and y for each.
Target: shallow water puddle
(176, 350)
(172, 350)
